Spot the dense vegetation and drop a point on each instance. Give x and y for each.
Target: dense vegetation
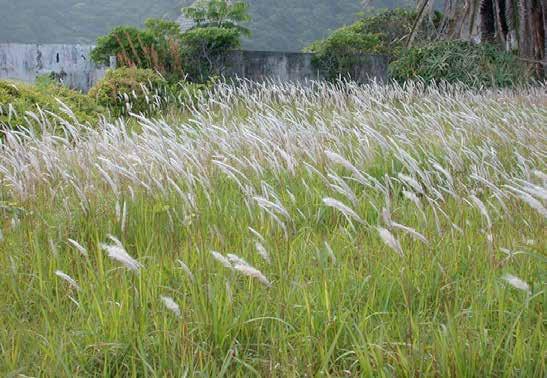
(171, 224)
(276, 230)
(196, 54)
(130, 90)
(280, 25)
(427, 58)
(464, 62)
(385, 32)
(29, 105)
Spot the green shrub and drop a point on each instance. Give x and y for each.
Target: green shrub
(156, 47)
(130, 89)
(383, 33)
(480, 65)
(194, 55)
(204, 50)
(16, 99)
(128, 41)
(341, 51)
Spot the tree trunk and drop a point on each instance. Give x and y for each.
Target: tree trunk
(513, 24)
(461, 20)
(532, 30)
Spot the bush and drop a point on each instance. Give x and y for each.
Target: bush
(204, 50)
(383, 33)
(130, 89)
(341, 51)
(156, 47)
(480, 65)
(196, 54)
(18, 98)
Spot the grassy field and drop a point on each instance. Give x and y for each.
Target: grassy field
(281, 230)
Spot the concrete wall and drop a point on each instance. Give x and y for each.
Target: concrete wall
(71, 63)
(261, 65)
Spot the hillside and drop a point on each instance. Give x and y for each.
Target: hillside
(281, 25)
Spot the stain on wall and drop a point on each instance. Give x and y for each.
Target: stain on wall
(70, 63)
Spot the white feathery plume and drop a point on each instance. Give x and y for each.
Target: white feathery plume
(386, 217)
(330, 252)
(124, 217)
(339, 159)
(390, 241)
(223, 260)
(229, 294)
(412, 197)
(517, 283)
(540, 174)
(117, 252)
(171, 305)
(482, 208)
(78, 247)
(263, 252)
(257, 234)
(187, 270)
(344, 209)
(52, 247)
(71, 281)
(235, 259)
(532, 202)
(115, 240)
(412, 182)
(409, 230)
(252, 272)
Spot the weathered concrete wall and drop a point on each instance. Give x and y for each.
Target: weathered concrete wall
(261, 65)
(71, 63)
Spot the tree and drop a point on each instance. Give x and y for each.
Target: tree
(514, 24)
(220, 14)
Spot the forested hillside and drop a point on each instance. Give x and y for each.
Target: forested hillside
(276, 25)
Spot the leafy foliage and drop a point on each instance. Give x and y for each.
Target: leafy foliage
(156, 47)
(219, 13)
(204, 50)
(218, 29)
(196, 54)
(385, 32)
(17, 99)
(130, 89)
(457, 61)
(394, 26)
(337, 54)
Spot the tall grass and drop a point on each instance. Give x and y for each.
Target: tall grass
(281, 230)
